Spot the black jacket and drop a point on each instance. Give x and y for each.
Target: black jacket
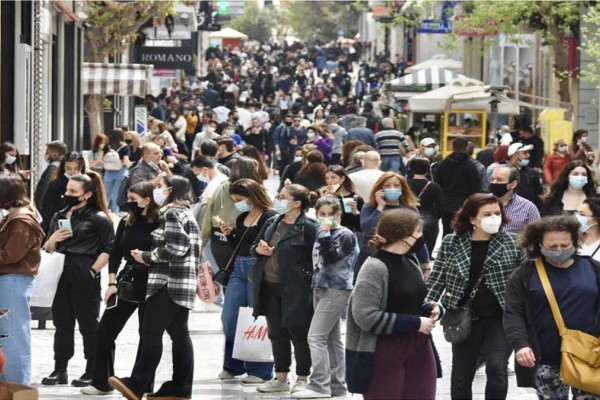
(53, 200)
(42, 186)
(295, 270)
(458, 178)
(537, 153)
(518, 323)
(530, 186)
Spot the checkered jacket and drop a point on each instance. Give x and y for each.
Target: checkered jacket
(175, 255)
(451, 268)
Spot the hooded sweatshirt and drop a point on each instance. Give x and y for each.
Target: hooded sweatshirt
(459, 179)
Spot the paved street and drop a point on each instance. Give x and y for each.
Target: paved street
(205, 327)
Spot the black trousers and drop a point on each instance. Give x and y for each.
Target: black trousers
(447, 217)
(488, 335)
(283, 337)
(162, 314)
(77, 299)
(283, 162)
(431, 230)
(112, 323)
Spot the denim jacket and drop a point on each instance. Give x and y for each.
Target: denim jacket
(334, 257)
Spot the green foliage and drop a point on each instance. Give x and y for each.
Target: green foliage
(590, 42)
(254, 22)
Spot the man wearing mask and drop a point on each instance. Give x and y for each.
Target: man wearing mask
(528, 138)
(226, 154)
(209, 133)
(282, 139)
(55, 151)
(150, 167)
(154, 109)
(530, 186)
(518, 210)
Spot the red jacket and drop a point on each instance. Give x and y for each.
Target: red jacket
(554, 165)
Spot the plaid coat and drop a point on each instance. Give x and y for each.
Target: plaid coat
(175, 255)
(453, 262)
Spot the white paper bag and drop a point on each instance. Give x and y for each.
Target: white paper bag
(46, 280)
(252, 338)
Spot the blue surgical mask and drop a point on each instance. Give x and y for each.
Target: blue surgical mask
(203, 178)
(392, 194)
(281, 206)
(584, 221)
(242, 206)
(332, 220)
(562, 149)
(429, 151)
(68, 175)
(578, 181)
(523, 163)
(10, 159)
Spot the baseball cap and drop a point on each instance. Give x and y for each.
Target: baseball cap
(513, 148)
(427, 142)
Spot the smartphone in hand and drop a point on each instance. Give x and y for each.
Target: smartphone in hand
(65, 224)
(112, 302)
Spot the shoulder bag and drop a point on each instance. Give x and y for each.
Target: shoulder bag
(132, 284)
(457, 322)
(222, 275)
(580, 352)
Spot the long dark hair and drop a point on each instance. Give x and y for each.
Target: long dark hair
(181, 190)
(5, 148)
(115, 138)
(92, 182)
(73, 156)
(314, 165)
(252, 152)
(462, 220)
(340, 171)
(254, 191)
(144, 189)
(12, 192)
(558, 187)
(245, 167)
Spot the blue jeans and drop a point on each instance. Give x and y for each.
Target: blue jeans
(239, 294)
(112, 184)
(15, 292)
(392, 163)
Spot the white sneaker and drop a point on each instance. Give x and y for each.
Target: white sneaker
(274, 385)
(225, 375)
(300, 385)
(252, 380)
(309, 394)
(95, 392)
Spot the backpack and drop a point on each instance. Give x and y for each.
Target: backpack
(112, 160)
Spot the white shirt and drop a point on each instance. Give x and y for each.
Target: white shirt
(212, 186)
(364, 181)
(586, 250)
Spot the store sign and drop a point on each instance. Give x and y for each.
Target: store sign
(168, 57)
(433, 26)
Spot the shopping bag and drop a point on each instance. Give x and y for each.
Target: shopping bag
(206, 289)
(46, 280)
(252, 338)
(12, 391)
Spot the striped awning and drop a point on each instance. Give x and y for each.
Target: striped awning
(422, 81)
(117, 79)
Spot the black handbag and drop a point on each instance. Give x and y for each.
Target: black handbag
(222, 276)
(457, 322)
(133, 283)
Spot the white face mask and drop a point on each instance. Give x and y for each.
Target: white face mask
(10, 159)
(159, 196)
(491, 224)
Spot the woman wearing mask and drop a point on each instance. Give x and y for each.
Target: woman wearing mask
(20, 240)
(334, 257)
(528, 319)
(10, 161)
(135, 147)
(556, 161)
(255, 135)
(580, 150)
(282, 285)
(295, 166)
(171, 290)
(192, 120)
(391, 191)
(319, 116)
(97, 153)
(178, 124)
(208, 134)
(86, 247)
(588, 216)
(474, 263)
(389, 350)
(431, 200)
(72, 164)
(340, 185)
(133, 232)
(256, 209)
(221, 208)
(159, 129)
(574, 184)
(324, 142)
(114, 177)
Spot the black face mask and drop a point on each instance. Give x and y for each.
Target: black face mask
(133, 207)
(499, 189)
(128, 141)
(72, 201)
(287, 123)
(417, 245)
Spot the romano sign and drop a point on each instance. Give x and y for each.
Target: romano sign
(168, 57)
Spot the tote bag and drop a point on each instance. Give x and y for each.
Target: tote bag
(46, 280)
(206, 289)
(252, 338)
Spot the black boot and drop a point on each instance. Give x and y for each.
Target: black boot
(59, 375)
(83, 381)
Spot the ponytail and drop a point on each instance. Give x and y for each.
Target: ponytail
(92, 182)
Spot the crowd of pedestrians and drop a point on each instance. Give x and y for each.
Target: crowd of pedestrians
(351, 237)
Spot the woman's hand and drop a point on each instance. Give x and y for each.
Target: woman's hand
(58, 236)
(111, 291)
(287, 182)
(525, 357)
(326, 224)
(225, 228)
(354, 206)
(380, 199)
(264, 249)
(435, 311)
(427, 325)
(137, 256)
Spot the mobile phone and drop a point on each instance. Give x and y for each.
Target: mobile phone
(65, 224)
(218, 220)
(112, 302)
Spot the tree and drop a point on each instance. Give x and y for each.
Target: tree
(551, 19)
(113, 26)
(590, 42)
(320, 20)
(254, 22)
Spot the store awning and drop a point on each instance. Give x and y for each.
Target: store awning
(422, 81)
(117, 79)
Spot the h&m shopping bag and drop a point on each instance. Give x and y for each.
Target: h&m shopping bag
(46, 280)
(252, 338)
